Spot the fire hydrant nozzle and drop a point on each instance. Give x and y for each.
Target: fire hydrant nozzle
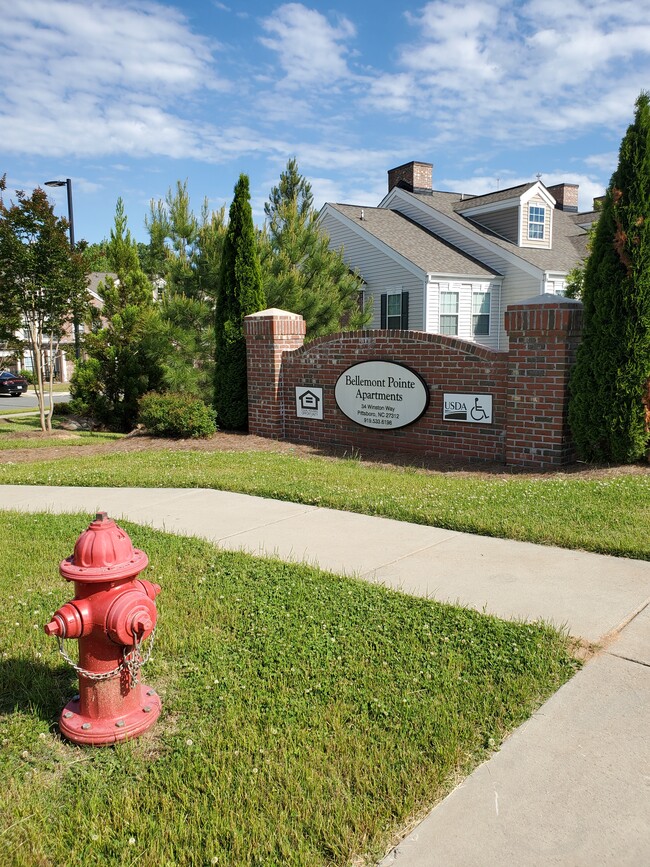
(55, 627)
(112, 613)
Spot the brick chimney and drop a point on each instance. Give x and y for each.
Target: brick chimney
(414, 176)
(566, 197)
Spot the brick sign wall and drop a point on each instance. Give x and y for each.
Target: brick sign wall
(292, 387)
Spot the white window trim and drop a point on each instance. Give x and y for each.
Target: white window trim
(449, 291)
(537, 223)
(483, 292)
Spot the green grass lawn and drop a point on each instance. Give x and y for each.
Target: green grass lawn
(6, 412)
(609, 515)
(9, 431)
(307, 718)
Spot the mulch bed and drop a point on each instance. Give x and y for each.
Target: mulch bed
(225, 441)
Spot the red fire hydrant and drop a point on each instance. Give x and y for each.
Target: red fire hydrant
(112, 613)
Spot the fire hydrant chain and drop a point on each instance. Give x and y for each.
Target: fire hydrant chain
(135, 660)
(132, 661)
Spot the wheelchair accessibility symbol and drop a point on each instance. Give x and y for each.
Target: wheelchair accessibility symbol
(477, 412)
(475, 408)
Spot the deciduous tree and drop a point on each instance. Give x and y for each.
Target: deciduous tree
(42, 283)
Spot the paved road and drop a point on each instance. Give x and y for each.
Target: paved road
(27, 401)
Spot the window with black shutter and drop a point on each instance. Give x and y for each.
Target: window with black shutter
(394, 310)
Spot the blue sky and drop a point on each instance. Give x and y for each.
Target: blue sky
(126, 97)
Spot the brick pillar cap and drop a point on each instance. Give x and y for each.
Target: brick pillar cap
(547, 299)
(273, 313)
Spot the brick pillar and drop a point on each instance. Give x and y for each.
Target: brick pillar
(544, 334)
(269, 334)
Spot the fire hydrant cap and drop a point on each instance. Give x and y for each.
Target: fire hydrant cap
(103, 552)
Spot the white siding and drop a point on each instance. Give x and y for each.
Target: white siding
(504, 223)
(466, 290)
(518, 285)
(545, 242)
(555, 284)
(380, 272)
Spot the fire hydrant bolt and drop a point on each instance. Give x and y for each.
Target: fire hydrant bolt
(112, 613)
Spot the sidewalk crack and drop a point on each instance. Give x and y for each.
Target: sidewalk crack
(267, 524)
(374, 569)
(628, 659)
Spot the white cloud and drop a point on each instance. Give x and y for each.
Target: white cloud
(606, 162)
(310, 49)
(345, 192)
(94, 77)
(392, 92)
(512, 70)
(454, 39)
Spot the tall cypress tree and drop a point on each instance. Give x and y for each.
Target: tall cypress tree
(608, 410)
(240, 293)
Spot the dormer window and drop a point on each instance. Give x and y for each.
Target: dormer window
(522, 215)
(536, 217)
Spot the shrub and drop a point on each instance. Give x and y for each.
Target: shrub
(28, 375)
(176, 415)
(63, 408)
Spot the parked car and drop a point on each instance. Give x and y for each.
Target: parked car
(11, 383)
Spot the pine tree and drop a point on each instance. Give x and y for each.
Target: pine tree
(240, 293)
(126, 352)
(300, 272)
(131, 286)
(609, 406)
(184, 254)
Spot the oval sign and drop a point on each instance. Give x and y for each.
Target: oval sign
(382, 395)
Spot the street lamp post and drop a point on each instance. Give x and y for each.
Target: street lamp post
(67, 183)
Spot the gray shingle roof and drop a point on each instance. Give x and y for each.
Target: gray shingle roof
(569, 239)
(469, 202)
(415, 243)
(586, 218)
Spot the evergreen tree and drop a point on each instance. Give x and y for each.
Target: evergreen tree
(300, 272)
(131, 287)
(609, 406)
(127, 351)
(173, 232)
(184, 254)
(240, 293)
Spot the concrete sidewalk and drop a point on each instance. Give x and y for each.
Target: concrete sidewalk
(571, 786)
